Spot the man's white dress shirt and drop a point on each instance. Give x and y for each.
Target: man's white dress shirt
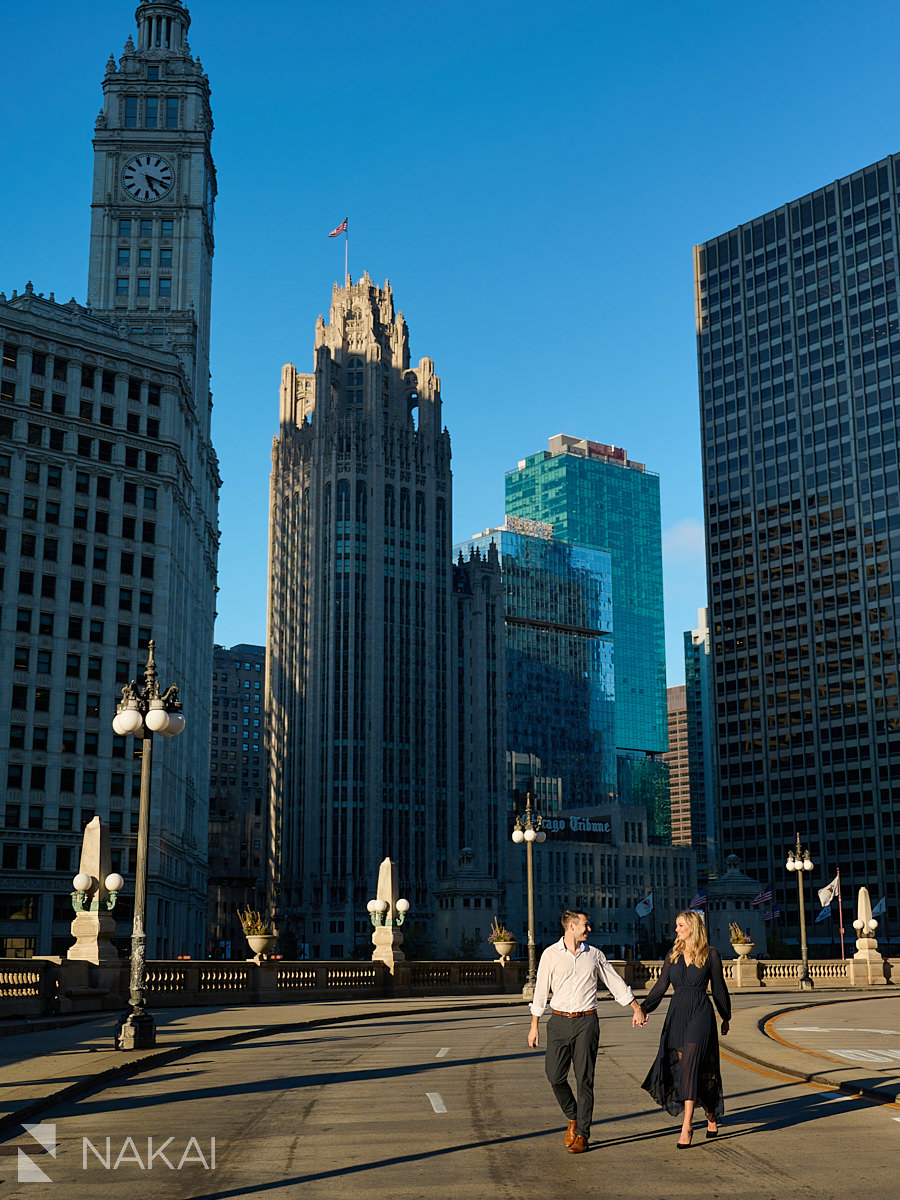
(572, 979)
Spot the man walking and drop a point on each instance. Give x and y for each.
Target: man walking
(569, 970)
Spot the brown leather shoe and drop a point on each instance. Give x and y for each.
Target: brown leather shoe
(579, 1144)
(570, 1133)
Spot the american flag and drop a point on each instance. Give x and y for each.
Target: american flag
(764, 896)
(699, 901)
(772, 913)
(342, 228)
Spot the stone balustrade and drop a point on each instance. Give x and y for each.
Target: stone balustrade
(33, 987)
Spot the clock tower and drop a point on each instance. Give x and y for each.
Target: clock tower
(154, 190)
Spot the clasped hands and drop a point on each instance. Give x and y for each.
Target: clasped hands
(640, 1018)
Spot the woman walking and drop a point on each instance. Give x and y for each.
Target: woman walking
(686, 1071)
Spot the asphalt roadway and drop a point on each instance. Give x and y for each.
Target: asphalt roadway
(438, 1099)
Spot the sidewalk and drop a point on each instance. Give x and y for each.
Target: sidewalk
(835, 1039)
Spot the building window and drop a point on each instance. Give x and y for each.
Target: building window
(151, 109)
(165, 288)
(143, 287)
(144, 256)
(131, 112)
(166, 227)
(165, 257)
(121, 287)
(124, 229)
(124, 258)
(171, 113)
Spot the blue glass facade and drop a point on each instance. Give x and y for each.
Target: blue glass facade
(799, 366)
(592, 494)
(560, 676)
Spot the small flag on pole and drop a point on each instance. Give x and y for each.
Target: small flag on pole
(826, 912)
(828, 893)
(772, 913)
(699, 900)
(645, 906)
(764, 896)
(342, 228)
(880, 908)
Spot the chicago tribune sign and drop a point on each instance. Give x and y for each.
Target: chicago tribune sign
(575, 825)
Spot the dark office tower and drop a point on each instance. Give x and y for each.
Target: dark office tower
(237, 796)
(594, 495)
(359, 653)
(799, 362)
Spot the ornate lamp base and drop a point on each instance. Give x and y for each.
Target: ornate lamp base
(136, 1031)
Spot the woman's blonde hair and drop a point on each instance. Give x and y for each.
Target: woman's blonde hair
(699, 940)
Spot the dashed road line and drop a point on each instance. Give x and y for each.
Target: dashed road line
(444, 1050)
(436, 1102)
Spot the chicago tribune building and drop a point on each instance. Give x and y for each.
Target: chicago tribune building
(108, 512)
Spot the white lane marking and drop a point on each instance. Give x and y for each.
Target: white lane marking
(443, 1050)
(879, 1056)
(503, 1024)
(436, 1102)
(843, 1029)
(895, 1118)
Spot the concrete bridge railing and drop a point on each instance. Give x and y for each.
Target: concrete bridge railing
(50, 986)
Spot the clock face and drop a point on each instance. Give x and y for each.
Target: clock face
(147, 177)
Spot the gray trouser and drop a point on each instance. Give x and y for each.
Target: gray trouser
(573, 1041)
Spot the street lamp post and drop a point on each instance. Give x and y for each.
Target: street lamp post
(528, 830)
(143, 711)
(798, 860)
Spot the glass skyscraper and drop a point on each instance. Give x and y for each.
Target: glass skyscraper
(798, 349)
(560, 678)
(594, 495)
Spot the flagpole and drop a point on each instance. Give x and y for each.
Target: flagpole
(347, 253)
(840, 912)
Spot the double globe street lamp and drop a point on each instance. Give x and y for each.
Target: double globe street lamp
(798, 860)
(143, 712)
(527, 831)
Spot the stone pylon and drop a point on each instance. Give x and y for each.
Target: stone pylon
(386, 936)
(867, 965)
(94, 924)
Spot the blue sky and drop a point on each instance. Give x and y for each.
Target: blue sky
(531, 177)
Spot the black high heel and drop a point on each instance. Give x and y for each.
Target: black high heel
(685, 1145)
(711, 1133)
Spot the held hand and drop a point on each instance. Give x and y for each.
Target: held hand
(534, 1038)
(639, 1018)
(725, 1028)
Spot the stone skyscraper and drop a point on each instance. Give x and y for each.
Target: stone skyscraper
(108, 498)
(799, 364)
(361, 685)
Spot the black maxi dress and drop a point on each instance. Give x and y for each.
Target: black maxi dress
(689, 1029)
